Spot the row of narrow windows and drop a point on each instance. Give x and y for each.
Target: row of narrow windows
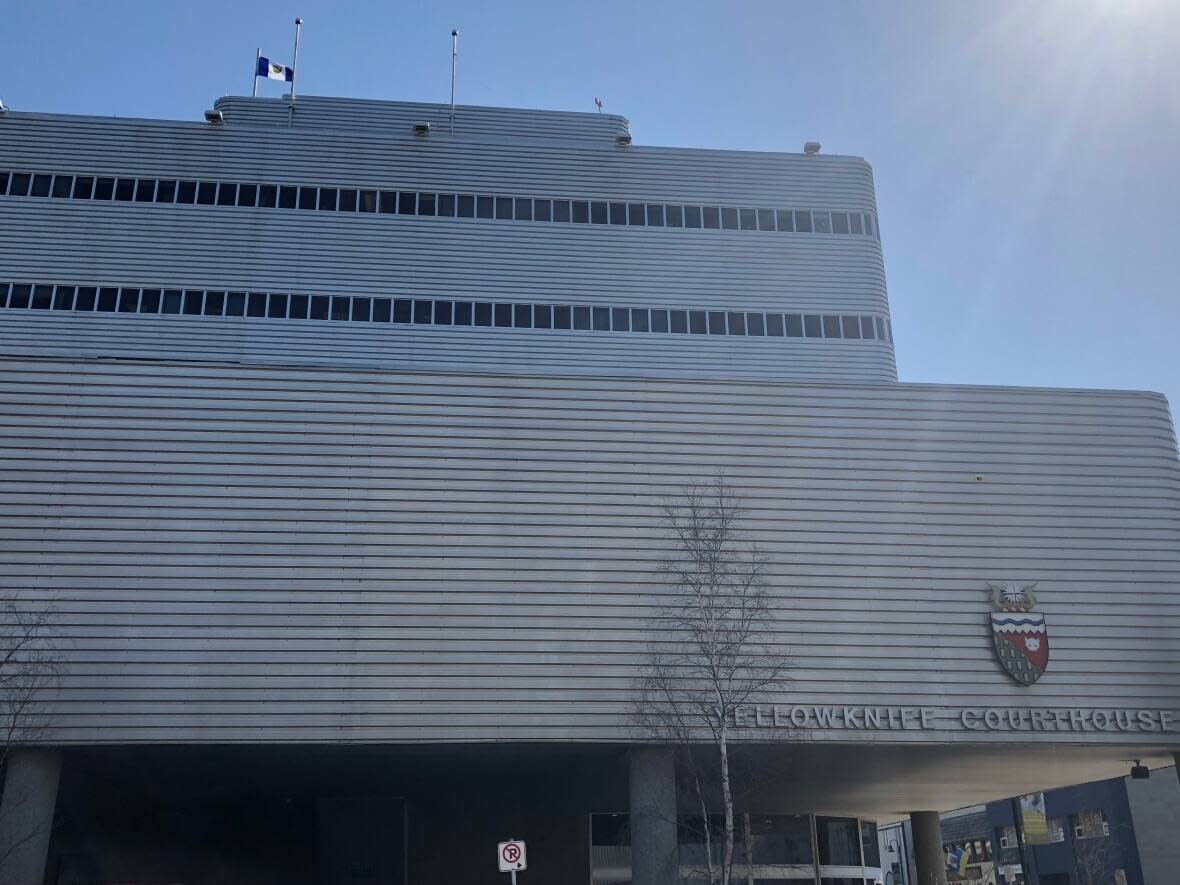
(390, 202)
(441, 312)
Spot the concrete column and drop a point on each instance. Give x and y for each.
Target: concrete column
(928, 856)
(26, 815)
(653, 817)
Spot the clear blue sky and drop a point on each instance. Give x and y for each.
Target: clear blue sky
(1027, 154)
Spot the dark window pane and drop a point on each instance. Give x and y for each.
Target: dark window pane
(307, 197)
(256, 304)
(206, 193)
(504, 208)
(601, 318)
(247, 195)
(880, 324)
(674, 216)
(755, 324)
(748, 219)
(581, 317)
(581, 212)
(871, 227)
(639, 319)
(692, 216)
(523, 210)
(214, 302)
(729, 219)
(620, 319)
(655, 214)
(21, 293)
(483, 313)
(42, 298)
(19, 186)
(774, 324)
(368, 201)
(869, 845)
(659, 320)
(128, 300)
(621, 213)
(766, 219)
(166, 190)
(463, 313)
(276, 305)
(866, 328)
(821, 222)
(227, 194)
(737, 323)
(561, 210)
(83, 187)
(598, 213)
(466, 206)
(268, 196)
(361, 309)
(341, 308)
(840, 224)
(407, 202)
(446, 205)
(145, 190)
(697, 322)
(104, 188)
(856, 221)
(423, 310)
(811, 326)
(522, 316)
(63, 186)
(850, 326)
(888, 331)
(328, 198)
(87, 296)
(149, 301)
(4, 190)
(831, 326)
(347, 201)
(108, 299)
(780, 839)
(193, 302)
(679, 321)
(794, 325)
(543, 316)
(388, 202)
(124, 189)
(838, 840)
(542, 210)
(503, 314)
(427, 204)
(320, 305)
(41, 185)
(63, 299)
(172, 300)
(484, 207)
(235, 304)
(288, 196)
(298, 307)
(712, 217)
(382, 310)
(716, 322)
(562, 316)
(442, 313)
(803, 221)
(785, 219)
(186, 192)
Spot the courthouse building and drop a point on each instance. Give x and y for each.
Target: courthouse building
(336, 443)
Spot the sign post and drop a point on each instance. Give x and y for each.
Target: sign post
(510, 857)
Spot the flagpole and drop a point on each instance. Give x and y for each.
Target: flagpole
(454, 53)
(294, 72)
(257, 57)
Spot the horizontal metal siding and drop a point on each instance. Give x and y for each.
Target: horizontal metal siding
(246, 553)
(450, 349)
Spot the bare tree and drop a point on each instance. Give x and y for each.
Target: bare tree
(29, 668)
(1097, 858)
(721, 656)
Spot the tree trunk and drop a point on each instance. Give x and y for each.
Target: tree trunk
(727, 803)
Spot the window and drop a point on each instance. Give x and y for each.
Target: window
(581, 212)
(620, 319)
(227, 194)
(466, 206)
(831, 327)
(193, 302)
(617, 213)
(850, 327)
(427, 204)
(802, 221)
(774, 325)
(362, 309)
(382, 308)
(655, 215)
(348, 200)
(1056, 828)
(299, 305)
(483, 207)
(678, 320)
(729, 219)
(766, 219)
(811, 326)
(319, 307)
(1090, 824)
(423, 313)
(276, 304)
(235, 304)
(63, 186)
(104, 188)
(328, 199)
(870, 848)
(639, 320)
(737, 323)
(601, 319)
(755, 324)
(307, 197)
(170, 303)
(674, 216)
(504, 208)
(214, 303)
(128, 300)
(692, 216)
(41, 185)
(561, 210)
(712, 217)
(522, 316)
(145, 190)
(780, 839)
(483, 313)
(784, 219)
(63, 299)
(206, 193)
(43, 297)
(581, 317)
(502, 315)
(716, 322)
(542, 210)
(407, 202)
(748, 219)
(19, 185)
(838, 840)
(840, 223)
(598, 213)
(636, 213)
(562, 316)
(443, 312)
(822, 222)
(463, 313)
(83, 188)
(387, 202)
(124, 189)
(543, 316)
(166, 190)
(255, 304)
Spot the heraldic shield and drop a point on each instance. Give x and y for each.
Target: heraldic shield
(1020, 635)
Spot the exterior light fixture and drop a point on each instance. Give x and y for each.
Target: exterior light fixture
(1139, 772)
(811, 148)
(420, 129)
(214, 117)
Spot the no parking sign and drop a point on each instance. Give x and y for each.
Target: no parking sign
(510, 856)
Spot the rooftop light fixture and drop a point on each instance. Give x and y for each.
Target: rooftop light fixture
(214, 117)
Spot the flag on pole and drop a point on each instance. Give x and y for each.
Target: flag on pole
(272, 71)
(598, 103)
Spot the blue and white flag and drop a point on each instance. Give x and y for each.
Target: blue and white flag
(272, 71)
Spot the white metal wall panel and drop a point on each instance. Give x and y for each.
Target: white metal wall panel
(262, 554)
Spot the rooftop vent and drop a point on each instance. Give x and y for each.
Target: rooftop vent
(623, 140)
(420, 128)
(214, 117)
(811, 148)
